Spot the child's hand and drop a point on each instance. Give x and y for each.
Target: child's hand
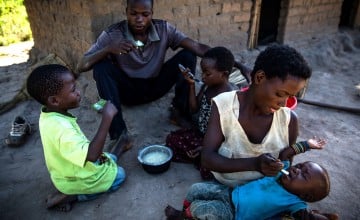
(188, 76)
(287, 154)
(194, 153)
(316, 143)
(102, 159)
(109, 109)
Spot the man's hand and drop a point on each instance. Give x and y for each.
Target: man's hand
(121, 46)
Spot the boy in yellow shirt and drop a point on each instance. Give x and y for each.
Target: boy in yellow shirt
(78, 167)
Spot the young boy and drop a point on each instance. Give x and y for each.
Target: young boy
(78, 168)
(262, 198)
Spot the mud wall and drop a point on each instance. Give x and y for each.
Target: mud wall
(68, 28)
(306, 19)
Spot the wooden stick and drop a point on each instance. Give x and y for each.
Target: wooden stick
(326, 105)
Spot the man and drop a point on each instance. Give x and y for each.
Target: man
(128, 63)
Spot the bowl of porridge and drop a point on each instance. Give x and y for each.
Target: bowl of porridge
(155, 158)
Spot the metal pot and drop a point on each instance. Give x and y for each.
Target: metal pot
(155, 158)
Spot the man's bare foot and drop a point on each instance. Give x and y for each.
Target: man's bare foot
(60, 201)
(122, 144)
(173, 214)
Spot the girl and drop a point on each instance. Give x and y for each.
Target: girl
(186, 143)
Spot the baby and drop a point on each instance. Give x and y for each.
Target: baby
(263, 198)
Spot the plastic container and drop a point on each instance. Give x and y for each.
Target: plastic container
(291, 102)
(98, 106)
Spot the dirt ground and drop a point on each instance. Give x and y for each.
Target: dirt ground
(25, 182)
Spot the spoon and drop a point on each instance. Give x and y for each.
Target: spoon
(285, 172)
(138, 44)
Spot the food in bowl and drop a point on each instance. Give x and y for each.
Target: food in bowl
(155, 158)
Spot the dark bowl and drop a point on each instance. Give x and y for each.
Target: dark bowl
(155, 158)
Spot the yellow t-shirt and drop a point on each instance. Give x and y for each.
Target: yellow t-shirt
(65, 150)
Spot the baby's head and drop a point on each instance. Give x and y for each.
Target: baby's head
(308, 180)
(280, 61)
(50, 84)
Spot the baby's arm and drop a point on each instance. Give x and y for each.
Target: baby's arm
(301, 147)
(316, 143)
(97, 144)
(305, 214)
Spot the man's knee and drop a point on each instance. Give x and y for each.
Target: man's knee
(188, 55)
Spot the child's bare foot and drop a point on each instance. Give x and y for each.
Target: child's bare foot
(331, 216)
(60, 202)
(173, 214)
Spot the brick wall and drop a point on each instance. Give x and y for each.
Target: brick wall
(68, 28)
(305, 19)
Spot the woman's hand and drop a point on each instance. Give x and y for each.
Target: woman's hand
(268, 165)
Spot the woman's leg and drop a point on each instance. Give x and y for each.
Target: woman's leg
(209, 200)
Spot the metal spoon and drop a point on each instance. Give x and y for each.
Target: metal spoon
(138, 44)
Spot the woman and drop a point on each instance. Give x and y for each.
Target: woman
(248, 129)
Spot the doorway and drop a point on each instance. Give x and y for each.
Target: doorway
(348, 13)
(269, 20)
